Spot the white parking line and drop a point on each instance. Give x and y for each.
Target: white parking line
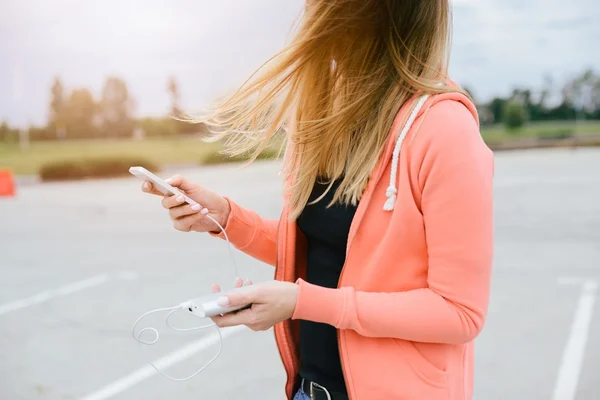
(141, 374)
(50, 294)
(572, 359)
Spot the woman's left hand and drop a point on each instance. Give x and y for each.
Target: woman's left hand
(272, 302)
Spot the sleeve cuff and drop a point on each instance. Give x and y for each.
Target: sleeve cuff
(320, 304)
(239, 232)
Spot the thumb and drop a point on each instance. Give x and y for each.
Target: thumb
(237, 299)
(180, 182)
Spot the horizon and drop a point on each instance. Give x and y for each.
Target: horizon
(210, 48)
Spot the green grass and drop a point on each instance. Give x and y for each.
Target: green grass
(498, 133)
(194, 151)
(92, 168)
(158, 151)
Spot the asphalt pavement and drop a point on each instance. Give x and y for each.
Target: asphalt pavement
(81, 261)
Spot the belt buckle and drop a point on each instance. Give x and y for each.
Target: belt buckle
(312, 394)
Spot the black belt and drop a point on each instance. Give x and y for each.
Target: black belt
(318, 392)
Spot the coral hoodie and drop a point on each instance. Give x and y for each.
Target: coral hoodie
(413, 293)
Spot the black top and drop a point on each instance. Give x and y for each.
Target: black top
(326, 231)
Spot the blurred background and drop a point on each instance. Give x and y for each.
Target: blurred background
(87, 89)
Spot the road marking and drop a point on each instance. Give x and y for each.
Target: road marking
(126, 275)
(572, 359)
(141, 374)
(53, 293)
(65, 290)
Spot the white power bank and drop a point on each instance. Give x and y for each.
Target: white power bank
(206, 306)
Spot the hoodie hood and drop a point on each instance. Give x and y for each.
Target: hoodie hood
(401, 129)
(420, 106)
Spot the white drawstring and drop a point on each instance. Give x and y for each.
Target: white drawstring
(391, 190)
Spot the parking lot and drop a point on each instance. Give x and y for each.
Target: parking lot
(80, 262)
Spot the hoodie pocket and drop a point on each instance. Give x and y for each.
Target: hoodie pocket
(421, 366)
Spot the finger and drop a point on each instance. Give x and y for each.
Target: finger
(184, 224)
(248, 282)
(148, 187)
(180, 182)
(184, 210)
(238, 282)
(169, 202)
(215, 288)
(244, 317)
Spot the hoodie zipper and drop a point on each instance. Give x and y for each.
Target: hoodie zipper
(363, 203)
(286, 345)
(355, 222)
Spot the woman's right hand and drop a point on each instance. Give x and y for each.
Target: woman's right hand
(186, 217)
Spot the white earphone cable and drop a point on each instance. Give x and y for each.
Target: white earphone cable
(182, 306)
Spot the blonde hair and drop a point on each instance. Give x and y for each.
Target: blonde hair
(335, 90)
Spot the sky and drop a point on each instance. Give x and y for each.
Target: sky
(212, 46)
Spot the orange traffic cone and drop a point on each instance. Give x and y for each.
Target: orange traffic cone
(7, 183)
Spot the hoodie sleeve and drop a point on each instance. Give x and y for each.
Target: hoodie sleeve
(455, 179)
(250, 233)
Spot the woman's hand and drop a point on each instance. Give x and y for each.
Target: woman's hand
(272, 302)
(186, 217)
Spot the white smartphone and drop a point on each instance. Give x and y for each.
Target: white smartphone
(159, 183)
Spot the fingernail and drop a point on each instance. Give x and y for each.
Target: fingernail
(145, 186)
(180, 199)
(196, 207)
(204, 211)
(168, 180)
(223, 301)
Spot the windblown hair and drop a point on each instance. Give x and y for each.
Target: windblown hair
(336, 89)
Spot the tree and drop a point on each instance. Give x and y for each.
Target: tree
(585, 92)
(116, 108)
(534, 110)
(173, 89)
(57, 100)
(496, 107)
(596, 99)
(514, 115)
(181, 127)
(4, 132)
(546, 91)
(57, 108)
(79, 114)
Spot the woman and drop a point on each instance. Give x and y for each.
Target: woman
(383, 251)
